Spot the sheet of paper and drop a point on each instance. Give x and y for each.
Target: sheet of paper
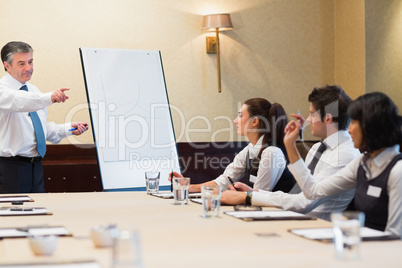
(86, 264)
(265, 214)
(4, 233)
(327, 233)
(20, 211)
(23, 198)
(28, 231)
(49, 231)
(169, 195)
(316, 234)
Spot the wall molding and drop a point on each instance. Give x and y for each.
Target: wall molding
(74, 168)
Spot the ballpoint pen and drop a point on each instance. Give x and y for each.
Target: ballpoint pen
(301, 127)
(74, 128)
(171, 181)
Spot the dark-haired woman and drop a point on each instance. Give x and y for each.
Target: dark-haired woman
(377, 175)
(263, 160)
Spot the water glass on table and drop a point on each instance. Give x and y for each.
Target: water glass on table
(180, 190)
(127, 249)
(346, 227)
(211, 200)
(152, 182)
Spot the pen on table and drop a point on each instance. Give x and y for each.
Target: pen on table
(74, 128)
(171, 181)
(232, 183)
(301, 127)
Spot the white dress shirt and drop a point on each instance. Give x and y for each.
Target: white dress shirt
(270, 168)
(340, 151)
(345, 179)
(17, 136)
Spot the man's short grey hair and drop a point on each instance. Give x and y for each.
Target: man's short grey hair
(8, 51)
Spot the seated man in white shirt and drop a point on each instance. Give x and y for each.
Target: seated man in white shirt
(376, 130)
(328, 120)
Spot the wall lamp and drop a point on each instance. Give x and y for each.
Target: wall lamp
(216, 22)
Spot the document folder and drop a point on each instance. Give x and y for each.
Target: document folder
(169, 195)
(327, 235)
(268, 215)
(15, 198)
(21, 232)
(23, 211)
(53, 264)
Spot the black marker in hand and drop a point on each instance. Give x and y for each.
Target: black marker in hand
(171, 181)
(232, 183)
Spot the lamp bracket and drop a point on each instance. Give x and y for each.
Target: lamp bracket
(211, 44)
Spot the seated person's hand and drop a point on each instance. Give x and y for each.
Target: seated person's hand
(233, 197)
(191, 189)
(292, 131)
(175, 175)
(239, 186)
(299, 117)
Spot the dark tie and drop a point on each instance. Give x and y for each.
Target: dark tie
(39, 134)
(317, 156)
(296, 188)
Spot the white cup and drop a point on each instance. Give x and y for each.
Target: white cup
(180, 190)
(43, 245)
(127, 250)
(102, 236)
(211, 200)
(346, 227)
(152, 182)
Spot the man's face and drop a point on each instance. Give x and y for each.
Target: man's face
(318, 128)
(21, 67)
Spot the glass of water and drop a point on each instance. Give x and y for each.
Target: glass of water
(180, 190)
(211, 200)
(126, 251)
(152, 182)
(346, 227)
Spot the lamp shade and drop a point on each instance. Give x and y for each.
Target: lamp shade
(220, 21)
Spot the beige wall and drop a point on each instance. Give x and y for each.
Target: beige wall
(350, 46)
(384, 48)
(279, 49)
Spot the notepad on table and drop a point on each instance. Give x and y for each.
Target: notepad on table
(198, 201)
(33, 231)
(23, 211)
(327, 234)
(49, 264)
(15, 198)
(267, 215)
(169, 195)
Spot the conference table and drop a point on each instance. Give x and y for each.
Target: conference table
(177, 236)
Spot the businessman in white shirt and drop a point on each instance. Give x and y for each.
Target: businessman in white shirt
(24, 130)
(329, 121)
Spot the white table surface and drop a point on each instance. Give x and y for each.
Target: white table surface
(177, 236)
